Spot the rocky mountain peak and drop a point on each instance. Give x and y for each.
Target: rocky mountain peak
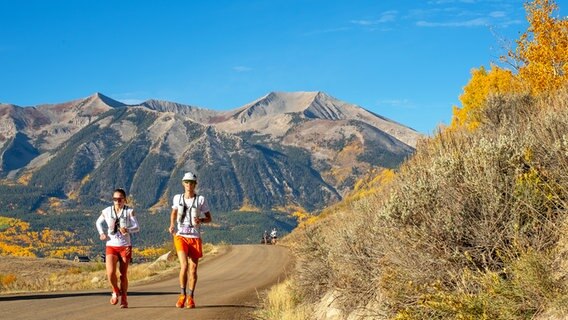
(94, 104)
(98, 97)
(278, 103)
(327, 107)
(276, 113)
(286, 102)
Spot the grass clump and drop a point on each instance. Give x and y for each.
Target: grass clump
(283, 303)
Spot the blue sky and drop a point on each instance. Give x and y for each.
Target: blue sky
(405, 60)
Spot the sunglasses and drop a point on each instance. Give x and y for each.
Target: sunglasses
(190, 181)
(117, 199)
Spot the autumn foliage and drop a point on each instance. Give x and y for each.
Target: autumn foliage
(543, 49)
(539, 65)
(483, 83)
(18, 239)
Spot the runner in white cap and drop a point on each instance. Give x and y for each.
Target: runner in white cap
(189, 211)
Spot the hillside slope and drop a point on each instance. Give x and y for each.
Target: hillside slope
(473, 226)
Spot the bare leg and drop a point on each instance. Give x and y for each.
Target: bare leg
(123, 267)
(182, 257)
(193, 262)
(111, 261)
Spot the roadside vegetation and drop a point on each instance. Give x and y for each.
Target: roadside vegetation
(474, 225)
(29, 274)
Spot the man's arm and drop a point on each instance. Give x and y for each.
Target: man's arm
(173, 218)
(207, 218)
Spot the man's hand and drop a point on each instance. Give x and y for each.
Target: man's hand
(103, 236)
(172, 229)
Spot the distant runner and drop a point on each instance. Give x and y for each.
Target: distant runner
(189, 211)
(265, 237)
(273, 236)
(121, 222)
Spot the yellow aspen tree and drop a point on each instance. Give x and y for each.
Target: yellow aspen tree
(540, 59)
(476, 91)
(542, 51)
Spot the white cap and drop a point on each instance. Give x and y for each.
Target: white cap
(189, 176)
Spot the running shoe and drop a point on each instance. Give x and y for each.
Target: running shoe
(114, 298)
(190, 302)
(181, 301)
(123, 302)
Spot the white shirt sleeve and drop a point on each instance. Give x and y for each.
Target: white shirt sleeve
(175, 201)
(99, 223)
(134, 227)
(204, 207)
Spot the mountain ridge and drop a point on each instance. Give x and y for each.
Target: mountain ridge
(300, 149)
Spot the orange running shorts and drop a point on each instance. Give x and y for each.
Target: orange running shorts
(191, 246)
(123, 252)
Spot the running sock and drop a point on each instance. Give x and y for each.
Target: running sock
(190, 292)
(183, 291)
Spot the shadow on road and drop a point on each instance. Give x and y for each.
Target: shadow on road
(76, 294)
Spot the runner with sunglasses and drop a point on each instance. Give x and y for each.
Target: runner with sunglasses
(121, 222)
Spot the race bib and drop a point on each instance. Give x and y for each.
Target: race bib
(185, 229)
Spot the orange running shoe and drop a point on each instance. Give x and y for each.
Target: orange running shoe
(181, 301)
(114, 298)
(190, 302)
(123, 302)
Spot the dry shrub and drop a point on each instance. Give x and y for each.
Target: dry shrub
(338, 254)
(313, 277)
(471, 228)
(479, 213)
(282, 303)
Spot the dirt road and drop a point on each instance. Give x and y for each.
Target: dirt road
(227, 288)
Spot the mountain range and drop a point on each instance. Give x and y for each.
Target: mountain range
(283, 150)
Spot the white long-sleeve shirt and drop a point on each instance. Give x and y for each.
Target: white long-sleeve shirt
(125, 218)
